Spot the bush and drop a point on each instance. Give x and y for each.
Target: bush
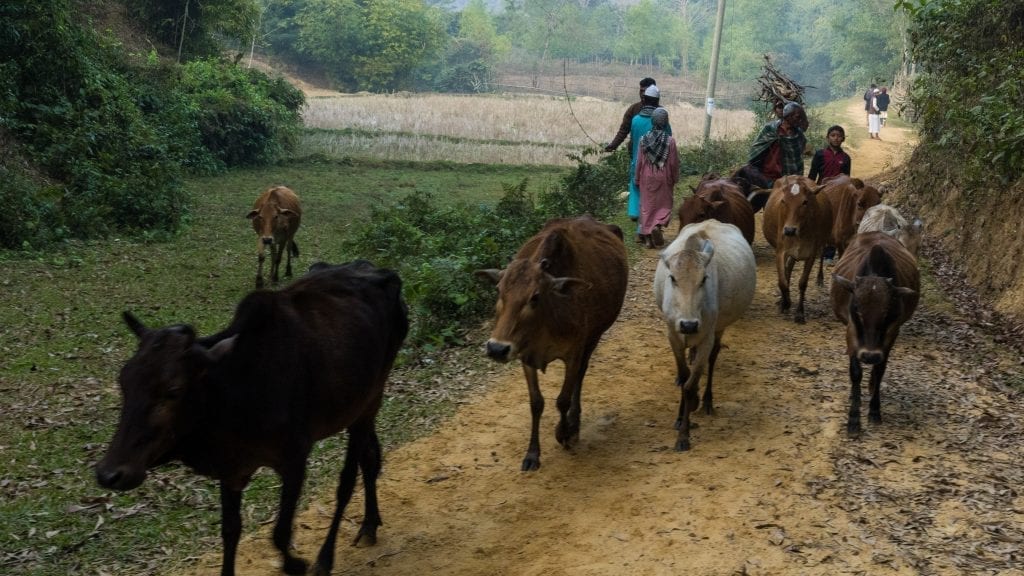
(592, 188)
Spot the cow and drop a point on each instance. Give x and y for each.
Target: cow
(797, 223)
(875, 289)
(849, 198)
(562, 290)
(275, 218)
(293, 367)
(721, 199)
(704, 282)
(886, 218)
(753, 185)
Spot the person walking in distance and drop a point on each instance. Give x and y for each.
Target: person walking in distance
(657, 172)
(640, 125)
(883, 105)
(867, 99)
(620, 136)
(873, 119)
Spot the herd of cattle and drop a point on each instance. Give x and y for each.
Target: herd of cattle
(302, 363)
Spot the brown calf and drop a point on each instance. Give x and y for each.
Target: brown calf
(798, 224)
(275, 218)
(849, 198)
(556, 298)
(721, 199)
(875, 289)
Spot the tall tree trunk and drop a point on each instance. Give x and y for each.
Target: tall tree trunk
(184, 23)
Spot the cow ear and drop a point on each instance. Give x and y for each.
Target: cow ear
(842, 282)
(492, 274)
(252, 214)
(134, 324)
(904, 291)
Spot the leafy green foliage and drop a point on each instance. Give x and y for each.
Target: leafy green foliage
(115, 137)
(436, 247)
(372, 45)
(969, 99)
(592, 188)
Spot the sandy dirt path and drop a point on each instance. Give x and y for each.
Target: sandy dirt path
(771, 486)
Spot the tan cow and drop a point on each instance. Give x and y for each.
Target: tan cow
(556, 298)
(720, 199)
(875, 289)
(798, 224)
(885, 218)
(275, 218)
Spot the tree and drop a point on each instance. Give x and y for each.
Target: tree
(372, 44)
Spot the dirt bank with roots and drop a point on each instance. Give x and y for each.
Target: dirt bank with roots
(771, 486)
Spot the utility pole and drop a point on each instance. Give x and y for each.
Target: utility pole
(713, 72)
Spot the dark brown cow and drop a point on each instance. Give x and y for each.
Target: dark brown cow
(798, 224)
(556, 298)
(294, 366)
(275, 218)
(875, 289)
(721, 199)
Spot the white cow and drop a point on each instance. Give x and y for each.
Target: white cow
(704, 282)
(885, 218)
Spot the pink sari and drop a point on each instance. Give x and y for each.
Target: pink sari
(657, 189)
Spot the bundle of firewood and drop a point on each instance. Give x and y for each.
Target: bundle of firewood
(776, 87)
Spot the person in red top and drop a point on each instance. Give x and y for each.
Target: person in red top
(831, 160)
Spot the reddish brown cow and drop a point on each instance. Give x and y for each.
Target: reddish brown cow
(294, 367)
(721, 199)
(797, 223)
(849, 198)
(875, 289)
(556, 298)
(275, 218)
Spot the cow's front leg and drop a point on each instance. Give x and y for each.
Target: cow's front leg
(293, 474)
(875, 407)
(853, 420)
(260, 257)
(532, 459)
(230, 526)
(687, 404)
(798, 316)
(784, 268)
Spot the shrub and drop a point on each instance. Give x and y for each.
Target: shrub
(592, 188)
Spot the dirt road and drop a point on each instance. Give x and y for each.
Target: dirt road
(771, 486)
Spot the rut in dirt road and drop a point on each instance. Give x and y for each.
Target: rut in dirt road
(771, 486)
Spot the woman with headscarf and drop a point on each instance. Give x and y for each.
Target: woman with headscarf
(640, 125)
(657, 171)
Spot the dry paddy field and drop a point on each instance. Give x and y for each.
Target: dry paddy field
(493, 129)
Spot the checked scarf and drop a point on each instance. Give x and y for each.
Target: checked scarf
(654, 144)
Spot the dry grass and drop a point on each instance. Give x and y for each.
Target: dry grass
(508, 129)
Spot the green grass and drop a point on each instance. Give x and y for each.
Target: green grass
(62, 344)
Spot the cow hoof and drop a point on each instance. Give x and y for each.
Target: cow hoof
(799, 319)
(531, 463)
(366, 532)
(259, 282)
(853, 430)
(683, 445)
(567, 434)
(293, 565)
(875, 418)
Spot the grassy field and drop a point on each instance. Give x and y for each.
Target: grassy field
(489, 129)
(63, 343)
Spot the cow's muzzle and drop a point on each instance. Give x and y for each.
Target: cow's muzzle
(268, 240)
(789, 230)
(119, 477)
(499, 351)
(871, 357)
(688, 326)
